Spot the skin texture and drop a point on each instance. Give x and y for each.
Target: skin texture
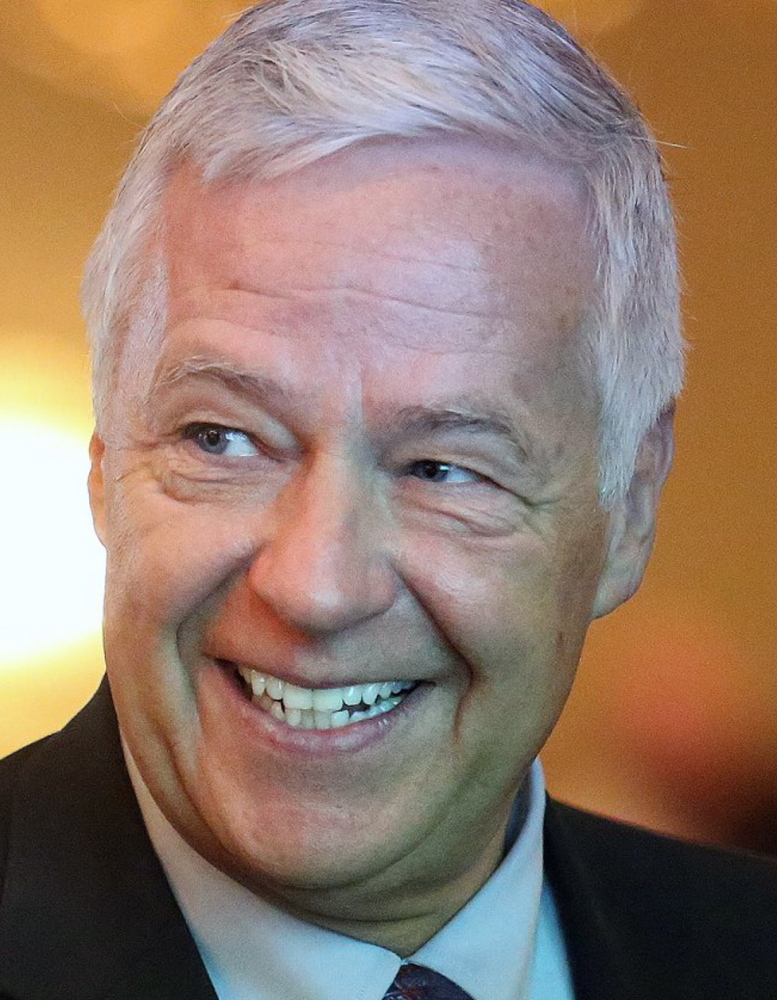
(336, 319)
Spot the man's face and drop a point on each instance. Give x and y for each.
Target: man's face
(367, 457)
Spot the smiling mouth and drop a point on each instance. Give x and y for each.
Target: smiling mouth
(319, 708)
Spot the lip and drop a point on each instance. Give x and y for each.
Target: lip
(291, 677)
(256, 726)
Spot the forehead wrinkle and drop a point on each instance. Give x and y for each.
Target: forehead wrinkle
(473, 241)
(420, 281)
(347, 288)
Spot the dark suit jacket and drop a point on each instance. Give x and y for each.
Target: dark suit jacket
(86, 912)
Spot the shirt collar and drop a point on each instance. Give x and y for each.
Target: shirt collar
(253, 950)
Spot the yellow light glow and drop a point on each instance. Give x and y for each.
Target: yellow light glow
(126, 54)
(52, 564)
(587, 18)
(110, 27)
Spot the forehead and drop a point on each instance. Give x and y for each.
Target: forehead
(437, 249)
(454, 227)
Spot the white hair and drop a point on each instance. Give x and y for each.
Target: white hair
(293, 81)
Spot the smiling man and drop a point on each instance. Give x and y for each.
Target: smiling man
(386, 346)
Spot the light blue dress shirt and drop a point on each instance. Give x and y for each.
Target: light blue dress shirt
(505, 944)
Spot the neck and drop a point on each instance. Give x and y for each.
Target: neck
(397, 914)
(399, 909)
(399, 921)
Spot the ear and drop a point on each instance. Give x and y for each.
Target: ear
(96, 483)
(632, 523)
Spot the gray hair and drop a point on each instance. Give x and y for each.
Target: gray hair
(293, 81)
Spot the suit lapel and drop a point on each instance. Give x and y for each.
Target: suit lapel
(86, 905)
(605, 961)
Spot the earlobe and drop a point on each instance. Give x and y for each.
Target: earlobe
(633, 518)
(96, 484)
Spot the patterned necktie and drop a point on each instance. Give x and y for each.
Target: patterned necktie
(414, 982)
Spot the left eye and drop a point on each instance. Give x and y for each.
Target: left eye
(442, 472)
(215, 440)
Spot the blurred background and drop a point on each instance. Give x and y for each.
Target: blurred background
(673, 722)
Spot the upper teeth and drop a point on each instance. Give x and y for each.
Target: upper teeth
(322, 708)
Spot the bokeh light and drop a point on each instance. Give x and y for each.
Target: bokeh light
(53, 566)
(124, 53)
(106, 28)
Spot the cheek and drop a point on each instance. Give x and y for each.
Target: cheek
(515, 614)
(167, 560)
(506, 616)
(581, 555)
(495, 605)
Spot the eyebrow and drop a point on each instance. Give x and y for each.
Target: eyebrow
(483, 419)
(420, 420)
(251, 384)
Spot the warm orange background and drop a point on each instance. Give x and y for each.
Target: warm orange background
(674, 719)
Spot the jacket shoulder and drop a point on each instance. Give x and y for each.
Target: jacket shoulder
(11, 771)
(85, 908)
(696, 915)
(637, 858)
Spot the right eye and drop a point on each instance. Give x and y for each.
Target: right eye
(216, 440)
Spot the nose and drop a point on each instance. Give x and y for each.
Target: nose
(324, 564)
